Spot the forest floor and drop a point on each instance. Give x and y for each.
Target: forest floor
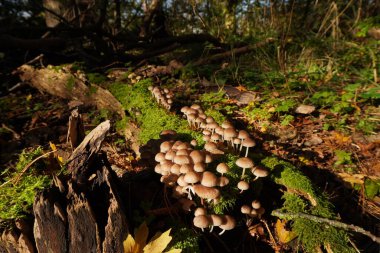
(331, 136)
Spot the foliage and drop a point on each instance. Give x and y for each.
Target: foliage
(152, 118)
(96, 78)
(371, 188)
(139, 244)
(342, 157)
(16, 199)
(186, 240)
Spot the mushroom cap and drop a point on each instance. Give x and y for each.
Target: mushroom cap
(229, 133)
(168, 134)
(229, 223)
(195, 107)
(166, 166)
(202, 221)
(227, 124)
(192, 177)
(210, 119)
(184, 109)
(181, 159)
(211, 125)
(183, 152)
(236, 141)
(178, 192)
(183, 145)
(222, 168)
(244, 162)
(248, 143)
(243, 134)
(260, 172)
(256, 204)
(260, 211)
(253, 213)
(169, 179)
(159, 157)
(219, 130)
(170, 155)
(197, 156)
(242, 185)
(216, 220)
(166, 146)
(206, 138)
(181, 181)
(246, 209)
(223, 181)
(158, 169)
(200, 211)
(206, 132)
(205, 192)
(200, 167)
(208, 158)
(209, 179)
(215, 137)
(210, 146)
(175, 169)
(193, 143)
(185, 168)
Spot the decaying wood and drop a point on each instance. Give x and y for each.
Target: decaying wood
(234, 52)
(66, 85)
(80, 161)
(75, 132)
(50, 224)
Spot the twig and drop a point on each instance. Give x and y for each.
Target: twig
(333, 223)
(16, 135)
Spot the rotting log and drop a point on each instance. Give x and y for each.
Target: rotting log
(65, 85)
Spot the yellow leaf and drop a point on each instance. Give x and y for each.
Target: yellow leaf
(174, 251)
(54, 148)
(140, 236)
(129, 244)
(284, 235)
(158, 244)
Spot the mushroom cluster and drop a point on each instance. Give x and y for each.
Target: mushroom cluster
(203, 220)
(215, 133)
(184, 169)
(134, 78)
(253, 211)
(162, 96)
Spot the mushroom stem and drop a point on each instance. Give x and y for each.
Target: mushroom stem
(222, 232)
(212, 227)
(246, 153)
(242, 175)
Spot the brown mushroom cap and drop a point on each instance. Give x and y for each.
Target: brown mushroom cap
(222, 168)
(229, 133)
(200, 211)
(181, 159)
(192, 177)
(229, 223)
(166, 146)
(195, 107)
(243, 186)
(243, 134)
(170, 155)
(217, 220)
(200, 167)
(223, 181)
(183, 152)
(185, 168)
(246, 209)
(175, 169)
(202, 221)
(197, 156)
(159, 157)
(210, 119)
(168, 134)
(248, 143)
(206, 138)
(209, 179)
(227, 124)
(215, 137)
(244, 162)
(205, 192)
(181, 181)
(169, 179)
(193, 143)
(260, 172)
(178, 191)
(165, 167)
(184, 109)
(158, 169)
(256, 204)
(208, 158)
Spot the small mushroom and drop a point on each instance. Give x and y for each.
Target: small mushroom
(243, 186)
(222, 168)
(205, 192)
(185, 168)
(166, 146)
(259, 171)
(197, 156)
(256, 204)
(202, 221)
(244, 163)
(181, 159)
(245, 209)
(160, 157)
(200, 167)
(200, 211)
(193, 143)
(209, 179)
(223, 181)
(248, 143)
(216, 220)
(228, 224)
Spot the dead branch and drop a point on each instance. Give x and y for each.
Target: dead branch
(234, 52)
(334, 223)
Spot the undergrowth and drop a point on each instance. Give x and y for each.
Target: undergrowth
(16, 198)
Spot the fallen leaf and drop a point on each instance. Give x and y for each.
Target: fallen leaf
(158, 244)
(129, 244)
(141, 235)
(284, 235)
(305, 109)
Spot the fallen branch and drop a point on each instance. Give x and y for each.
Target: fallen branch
(234, 52)
(334, 223)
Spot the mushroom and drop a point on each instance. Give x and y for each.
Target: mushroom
(205, 192)
(222, 168)
(259, 171)
(245, 209)
(197, 156)
(209, 179)
(184, 152)
(193, 143)
(165, 167)
(169, 180)
(229, 134)
(223, 181)
(248, 143)
(200, 167)
(158, 169)
(166, 146)
(159, 157)
(228, 224)
(181, 159)
(243, 186)
(185, 168)
(216, 220)
(244, 163)
(202, 221)
(175, 169)
(170, 155)
(168, 134)
(256, 204)
(200, 211)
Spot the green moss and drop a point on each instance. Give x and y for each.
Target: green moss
(96, 78)
(152, 118)
(70, 83)
(303, 197)
(185, 239)
(16, 200)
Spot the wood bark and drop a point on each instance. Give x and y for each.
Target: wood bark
(65, 85)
